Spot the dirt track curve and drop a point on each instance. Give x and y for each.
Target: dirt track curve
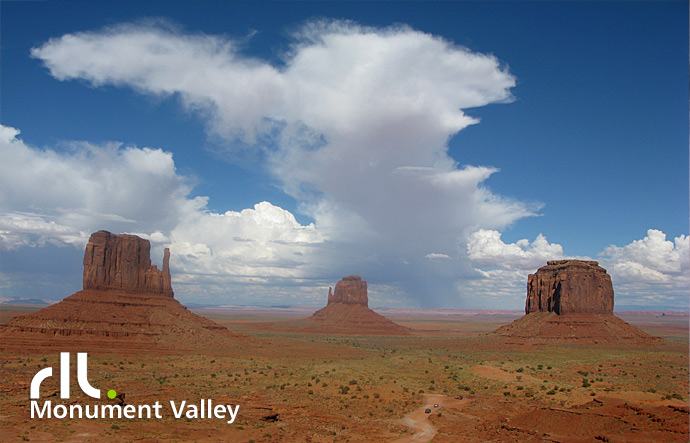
(418, 420)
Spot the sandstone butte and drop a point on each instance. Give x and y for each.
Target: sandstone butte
(571, 300)
(351, 290)
(347, 312)
(570, 286)
(127, 303)
(124, 262)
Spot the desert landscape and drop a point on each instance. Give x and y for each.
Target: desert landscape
(313, 221)
(415, 376)
(332, 387)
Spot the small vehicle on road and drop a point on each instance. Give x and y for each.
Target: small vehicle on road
(427, 411)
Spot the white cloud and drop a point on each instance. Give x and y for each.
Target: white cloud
(652, 270)
(340, 78)
(155, 238)
(437, 256)
(206, 71)
(391, 97)
(262, 242)
(254, 256)
(486, 249)
(651, 257)
(26, 229)
(60, 197)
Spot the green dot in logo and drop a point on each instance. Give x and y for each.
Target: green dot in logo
(112, 394)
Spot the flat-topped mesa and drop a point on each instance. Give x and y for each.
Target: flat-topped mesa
(351, 290)
(123, 262)
(570, 286)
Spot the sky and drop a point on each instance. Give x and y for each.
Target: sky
(442, 151)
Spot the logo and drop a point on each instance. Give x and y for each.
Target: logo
(205, 410)
(82, 378)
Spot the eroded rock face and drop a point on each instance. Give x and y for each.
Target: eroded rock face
(351, 290)
(570, 286)
(123, 262)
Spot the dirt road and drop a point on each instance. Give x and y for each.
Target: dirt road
(418, 420)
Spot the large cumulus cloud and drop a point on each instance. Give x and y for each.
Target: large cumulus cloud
(354, 125)
(57, 197)
(485, 248)
(651, 271)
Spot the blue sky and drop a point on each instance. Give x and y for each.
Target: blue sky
(441, 150)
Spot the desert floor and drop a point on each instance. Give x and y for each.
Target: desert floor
(297, 387)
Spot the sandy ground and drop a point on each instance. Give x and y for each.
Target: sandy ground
(312, 387)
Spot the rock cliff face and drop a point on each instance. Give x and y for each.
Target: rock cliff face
(350, 290)
(123, 262)
(570, 287)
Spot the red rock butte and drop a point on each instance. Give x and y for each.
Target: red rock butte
(123, 262)
(126, 304)
(572, 300)
(350, 290)
(347, 312)
(570, 286)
